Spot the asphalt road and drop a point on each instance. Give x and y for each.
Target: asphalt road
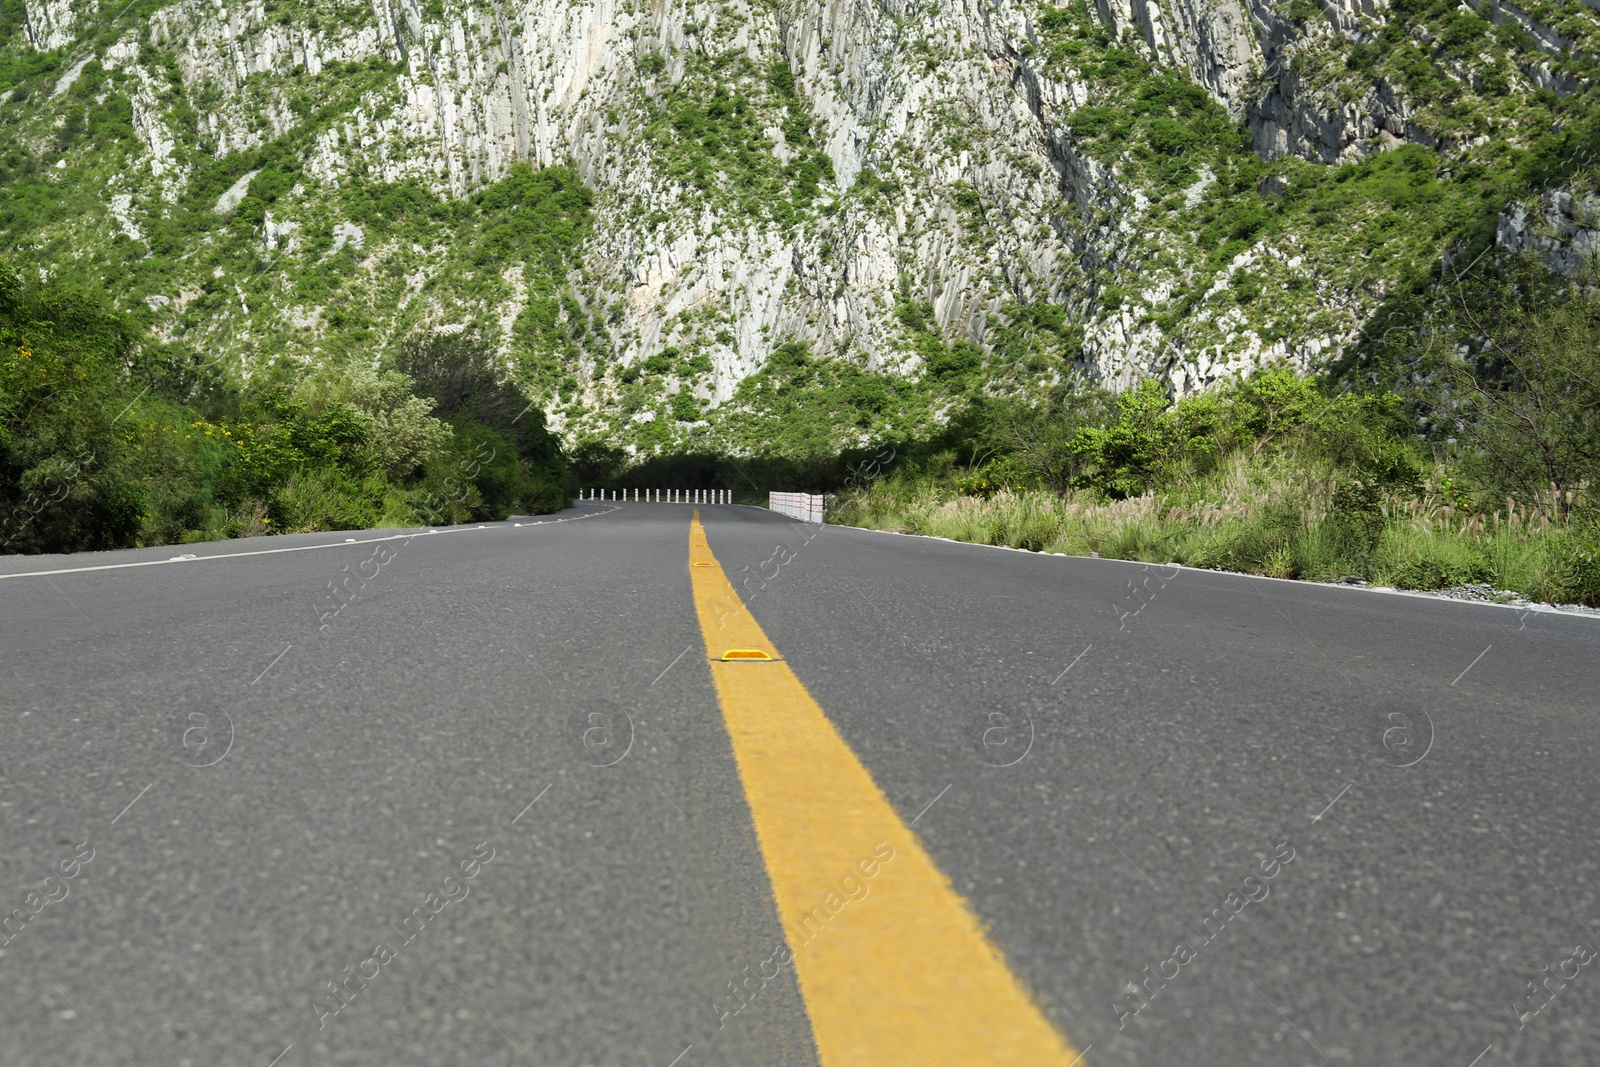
(253, 792)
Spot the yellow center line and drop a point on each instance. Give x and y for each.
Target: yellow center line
(893, 964)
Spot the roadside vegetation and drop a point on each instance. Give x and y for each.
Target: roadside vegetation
(109, 439)
(1300, 477)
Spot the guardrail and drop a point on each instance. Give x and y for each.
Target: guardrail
(658, 496)
(801, 506)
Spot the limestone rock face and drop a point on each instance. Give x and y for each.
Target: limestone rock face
(958, 172)
(1561, 229)
(1217, 41)
(49, 24)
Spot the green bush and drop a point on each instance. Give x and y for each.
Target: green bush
(1577, 564)
(1524, 401)
(1440, 565)
(1147, 441)
(102, 446)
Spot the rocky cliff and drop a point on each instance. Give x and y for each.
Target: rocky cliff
(940, 195)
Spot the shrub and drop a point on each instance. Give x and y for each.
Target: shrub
(101, 448)
(1526, 400)
(1146, 443)
(1440, 565)
(1577, 564)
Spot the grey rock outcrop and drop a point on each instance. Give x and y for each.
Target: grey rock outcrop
(1560, 228)
(991, 201)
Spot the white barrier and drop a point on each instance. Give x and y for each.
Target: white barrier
(801, 506)
(668, 496)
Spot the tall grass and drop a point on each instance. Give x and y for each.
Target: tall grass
(1284, 516)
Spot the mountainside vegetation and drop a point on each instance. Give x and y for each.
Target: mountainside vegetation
(108, 442)
(1276, 476)
(294, 265)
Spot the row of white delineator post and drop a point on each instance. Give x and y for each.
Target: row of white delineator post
(802, 506)
(659, 496)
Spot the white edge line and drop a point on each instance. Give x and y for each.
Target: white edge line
(281, 1055)
(1564, 611)
(297, 548)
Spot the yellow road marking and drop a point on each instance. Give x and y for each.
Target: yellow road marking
(893, 964)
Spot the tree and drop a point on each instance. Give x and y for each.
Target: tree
(1522, 391)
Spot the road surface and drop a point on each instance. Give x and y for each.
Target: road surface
(472, 797)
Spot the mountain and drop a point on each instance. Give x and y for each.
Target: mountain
(791, 225)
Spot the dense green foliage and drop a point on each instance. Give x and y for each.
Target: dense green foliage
(798, 405)
(710, 136)
(1292, 477)
(1520, 366)
(109, 440)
